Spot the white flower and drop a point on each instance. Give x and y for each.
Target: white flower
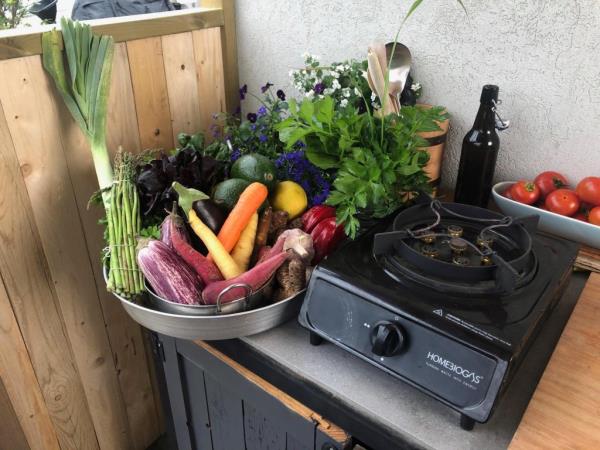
(415, 87)
(310, 94)
(375, 105)
(335, 74)
(364, 74)
(356, 91)
(328, 91)
(340, 68)
(373, 96)
(346, 92)
(344, 103)
(335, 84)
(303, 72)
(346, 67)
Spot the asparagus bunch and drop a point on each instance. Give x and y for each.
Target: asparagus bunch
(124, 224)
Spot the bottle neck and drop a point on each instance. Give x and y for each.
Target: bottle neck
(485, 119)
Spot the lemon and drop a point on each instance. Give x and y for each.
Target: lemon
(289, 197)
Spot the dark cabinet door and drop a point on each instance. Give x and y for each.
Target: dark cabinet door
(219, 405)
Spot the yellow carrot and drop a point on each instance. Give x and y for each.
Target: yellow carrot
(243, 249)
(226, 264)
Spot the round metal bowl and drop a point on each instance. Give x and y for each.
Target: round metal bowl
(251, 300)
(213, 327)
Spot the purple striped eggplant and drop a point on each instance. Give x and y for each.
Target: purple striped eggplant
(168, 274)
(166, 228)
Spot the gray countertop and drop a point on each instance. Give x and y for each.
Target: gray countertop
(408, 414)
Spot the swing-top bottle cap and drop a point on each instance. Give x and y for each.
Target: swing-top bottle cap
(489, 93)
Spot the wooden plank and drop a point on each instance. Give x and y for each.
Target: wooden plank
(150, 93)
(210, 71)
(12, 436)
(192, 379)
(225, 414)
(326, 427)
(19, 389)
(29, 105)
(121, 124)
(260, 432)
(229, 51)
(182, 83)
(27, 41)
(33, 299)
(564, 411)
(588, 259)
(124, 335)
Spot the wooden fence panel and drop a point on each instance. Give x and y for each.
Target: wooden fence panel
(74, 368)
(150, 93)
(125, 336)
(182, 83)
(31, 291)
(211, 82)
(30, 104)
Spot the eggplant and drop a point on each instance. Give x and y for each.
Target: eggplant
(210, 213)
(169, 275)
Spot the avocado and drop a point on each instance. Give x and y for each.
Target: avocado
(228, 192)
(255, 167)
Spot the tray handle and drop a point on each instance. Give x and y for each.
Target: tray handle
(245, 286)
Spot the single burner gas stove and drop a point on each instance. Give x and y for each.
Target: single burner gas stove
(447, 298)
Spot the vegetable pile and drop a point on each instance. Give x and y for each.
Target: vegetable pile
(238, 243)
(550, 191)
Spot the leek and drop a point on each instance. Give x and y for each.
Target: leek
(80, 63)
(83, 80)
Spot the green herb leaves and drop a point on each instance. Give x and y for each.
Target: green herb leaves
(371, 176)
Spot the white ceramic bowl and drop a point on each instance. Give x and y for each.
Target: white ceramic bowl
(567, 227)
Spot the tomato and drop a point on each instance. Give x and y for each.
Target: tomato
(588, 190)
(549, 181)
(594, 216)
(507, 194)
(525, 192)
(563, 201)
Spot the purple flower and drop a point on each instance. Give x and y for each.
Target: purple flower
(243, 91)
(253, 127)
(281, 95)
(235, 155)
(262, 138)
(266, 87)
(251, 117)
(262, 111)
(296, 167)
(319, 88)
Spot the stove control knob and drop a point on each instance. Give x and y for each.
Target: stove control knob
(387, 339)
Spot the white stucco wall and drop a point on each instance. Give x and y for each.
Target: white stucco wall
(544, 55)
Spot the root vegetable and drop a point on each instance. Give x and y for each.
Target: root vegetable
(243, 249)
(226, 264)
(255, 278)
(261, 233)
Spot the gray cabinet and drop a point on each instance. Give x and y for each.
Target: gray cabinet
(217, 404)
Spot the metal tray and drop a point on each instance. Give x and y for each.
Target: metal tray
(213, 327)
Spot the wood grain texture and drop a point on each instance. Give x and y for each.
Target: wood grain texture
(182, 83)
(229, 51)
(588, 259)
(150, 93)
(330, 429)
(19, 386)
(564, 412)
(27, 41)
(11, 433)
(29, 104)
(225, 415)
(124, 335)
(210, 72)
(33, 299)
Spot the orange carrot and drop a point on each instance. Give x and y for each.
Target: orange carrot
(248, 203)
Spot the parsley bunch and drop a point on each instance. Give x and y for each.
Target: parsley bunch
(372, 176)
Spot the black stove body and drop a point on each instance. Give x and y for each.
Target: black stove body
(458, 336)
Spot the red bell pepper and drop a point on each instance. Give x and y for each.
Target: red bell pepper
(316, 214)
(326, 237)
